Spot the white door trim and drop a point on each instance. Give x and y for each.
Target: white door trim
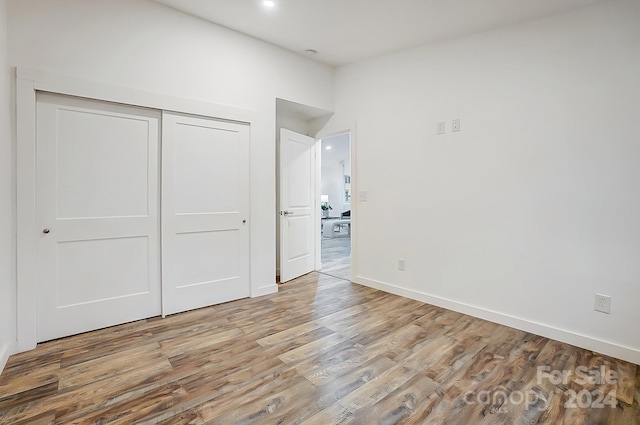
(28, 82)
(317, 218)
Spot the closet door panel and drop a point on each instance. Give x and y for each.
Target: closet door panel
(205, 206)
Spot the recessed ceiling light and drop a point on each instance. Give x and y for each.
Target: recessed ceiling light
(269, 3)
(328, 148)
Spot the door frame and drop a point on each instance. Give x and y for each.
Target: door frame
(28, 83)
(331, 130)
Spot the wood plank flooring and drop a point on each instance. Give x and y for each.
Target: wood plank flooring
(336, 255)
(321, 351)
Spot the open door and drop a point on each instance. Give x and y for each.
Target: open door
(297, 204)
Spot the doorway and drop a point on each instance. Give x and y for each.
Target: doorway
(335, 202)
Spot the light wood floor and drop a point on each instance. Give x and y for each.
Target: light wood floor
(336, 256)
(321, 351)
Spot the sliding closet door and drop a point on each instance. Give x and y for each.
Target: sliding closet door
(97, 188)
(205, 207)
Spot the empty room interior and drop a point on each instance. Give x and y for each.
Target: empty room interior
(304, 212)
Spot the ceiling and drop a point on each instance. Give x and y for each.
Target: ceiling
(346, 31)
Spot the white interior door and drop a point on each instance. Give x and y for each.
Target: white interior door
(97, 213)
(297, 204)
(205, 211)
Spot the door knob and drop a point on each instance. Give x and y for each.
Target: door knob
(288, 213)
(244, 221)
(45, 231)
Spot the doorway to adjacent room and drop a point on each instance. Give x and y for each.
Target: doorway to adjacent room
(335, 202)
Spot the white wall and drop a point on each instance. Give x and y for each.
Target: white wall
(7, 205)
(535, 205)
(146, 46)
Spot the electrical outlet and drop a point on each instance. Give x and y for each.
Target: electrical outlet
(603, 303)
(402, 264)
(440, 128)
(455, 125)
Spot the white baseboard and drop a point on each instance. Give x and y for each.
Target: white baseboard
(6, 350)
(583, 341)
(265, 290)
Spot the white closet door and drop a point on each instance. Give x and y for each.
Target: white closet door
(205, 207)
(98, 215)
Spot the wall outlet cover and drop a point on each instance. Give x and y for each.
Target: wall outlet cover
(603, 303)
(402, 264)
